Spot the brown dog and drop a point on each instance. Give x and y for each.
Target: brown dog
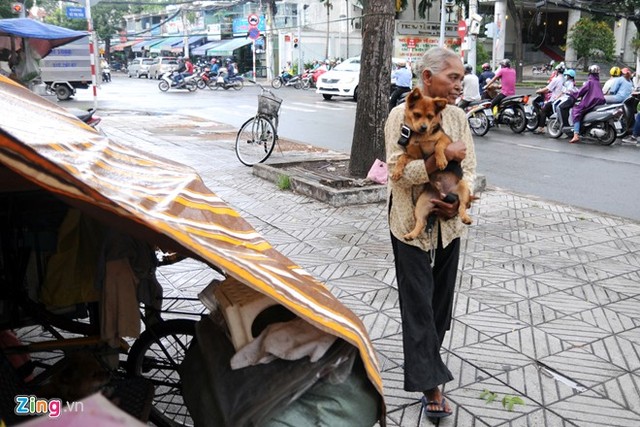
(423, 117)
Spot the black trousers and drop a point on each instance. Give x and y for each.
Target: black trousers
(496, 101)
(426, 304)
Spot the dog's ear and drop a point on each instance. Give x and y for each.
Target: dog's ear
(413, 97)
(440, 104)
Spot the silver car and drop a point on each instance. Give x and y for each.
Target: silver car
(139, 67)
(161, 65)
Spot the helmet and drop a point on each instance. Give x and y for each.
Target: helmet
(615, 71)
(594, 69)
(468, 68)
(625, 72)
(560, 67)
(570, 73)
(486, 67)
(505, 63)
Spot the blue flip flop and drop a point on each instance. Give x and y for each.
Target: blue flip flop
(434, 414)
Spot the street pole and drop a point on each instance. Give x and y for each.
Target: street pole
(185, 32)
(348, 27)
(472, 38)
(268, 40)
(92, 53)
(442, 23)
(300, 65)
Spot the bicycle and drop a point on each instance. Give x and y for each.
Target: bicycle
(258, 136)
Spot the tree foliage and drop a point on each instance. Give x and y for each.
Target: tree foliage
(592, 40)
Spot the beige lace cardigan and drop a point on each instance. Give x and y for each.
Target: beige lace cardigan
(405, 190)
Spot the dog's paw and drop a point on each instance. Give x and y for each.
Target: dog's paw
(466, 219)
(396, 176)
(441, 162)
(408, 237)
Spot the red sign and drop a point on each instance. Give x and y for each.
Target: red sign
(253, 20)
(462, 29)
(411, 43)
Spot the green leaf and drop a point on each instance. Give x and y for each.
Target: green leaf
(491, 398)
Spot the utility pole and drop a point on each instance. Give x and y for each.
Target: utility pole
(92, 52)
(185, 31)
(300, 44)
(442, 23)
(472, 38)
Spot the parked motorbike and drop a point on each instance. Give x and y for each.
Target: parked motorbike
(598, 124)
(236, 82)
(284, 79)
(87, 116)
(167, 82)
(106, 74)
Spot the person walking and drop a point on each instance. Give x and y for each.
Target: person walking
(470, 88)
(403, 77)
(591, 96)
(426, 267)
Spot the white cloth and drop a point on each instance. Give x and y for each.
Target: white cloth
(470, 88)
(287, 340)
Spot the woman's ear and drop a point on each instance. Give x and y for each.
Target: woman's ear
(426, 78)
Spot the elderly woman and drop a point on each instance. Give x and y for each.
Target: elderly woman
(426, 267)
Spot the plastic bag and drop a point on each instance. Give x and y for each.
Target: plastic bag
(378, 172)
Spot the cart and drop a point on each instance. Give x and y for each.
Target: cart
(52, 164)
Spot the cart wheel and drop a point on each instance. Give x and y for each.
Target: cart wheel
(156, 356)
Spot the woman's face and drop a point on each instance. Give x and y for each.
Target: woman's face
(447, 83)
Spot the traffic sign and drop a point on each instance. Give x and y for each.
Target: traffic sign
(253, 20)
(254, 33)
(411, 43)
(462, 29)
(75, 12)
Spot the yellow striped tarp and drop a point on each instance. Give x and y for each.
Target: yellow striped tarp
(156, 198)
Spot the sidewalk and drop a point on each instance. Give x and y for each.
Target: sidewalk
(548, 301)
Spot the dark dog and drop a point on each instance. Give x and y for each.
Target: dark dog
(423, 116)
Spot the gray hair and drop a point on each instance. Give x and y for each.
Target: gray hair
(435, 60)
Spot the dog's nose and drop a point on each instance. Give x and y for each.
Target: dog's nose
(423, 128)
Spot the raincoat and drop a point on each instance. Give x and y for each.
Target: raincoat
(591, 96)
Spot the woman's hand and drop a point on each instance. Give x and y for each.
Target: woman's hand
(445, 210)
(456, 151)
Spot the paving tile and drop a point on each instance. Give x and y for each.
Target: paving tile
(535, 384)
(608, 319)
(625, 284)
(573, 330)
(627, 308)
(619, 351)
(463, 304)
(559, 280)
(563, 302)
(494, 296)
(533, 342)
(492, 357)
(461, 335)
(582, 366)
(624, 390)
(491, 322)
(590, 408)
(541, 417)
(528, 287)
(632, 335)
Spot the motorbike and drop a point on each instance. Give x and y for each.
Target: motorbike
(533, 113)
(598, 124)
(167, 82)
(480, 116)
(511, 112)
(624, 125)
(106, 74)
(285, 79)
(87, 116)
(236, 82)
(202, 77)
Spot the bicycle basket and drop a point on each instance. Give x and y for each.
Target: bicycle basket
(269, 104)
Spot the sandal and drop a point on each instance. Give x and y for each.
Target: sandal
(441, 413)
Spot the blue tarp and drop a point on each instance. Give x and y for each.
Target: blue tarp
(42, 37)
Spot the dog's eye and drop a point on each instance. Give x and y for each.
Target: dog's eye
(430, 116)
(417, 115)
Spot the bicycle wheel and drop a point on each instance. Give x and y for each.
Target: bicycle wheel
(156, 356)
(255, 141)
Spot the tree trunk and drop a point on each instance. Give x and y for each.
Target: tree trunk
(373, 89)
(517, 13)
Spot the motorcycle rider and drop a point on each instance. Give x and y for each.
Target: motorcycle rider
(507, 77)
(178, 78)
(231, 70)
(621, 88)
(614, 72)
(564, 103)
(552, 92)
(591, 95)
(403, 78)
(470, 88)
(486, 74)
(215, 67)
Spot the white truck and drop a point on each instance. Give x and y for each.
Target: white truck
(67, 68)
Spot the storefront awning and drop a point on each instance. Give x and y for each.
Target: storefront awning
(165, 45)
(122, 46)
(139, 47)
(202, 50)
(193, 40)
(227, 48)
